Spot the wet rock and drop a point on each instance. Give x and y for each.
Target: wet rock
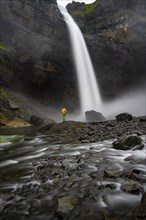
(134, 159)
(142, 119)
(29, 138)
(143, 199)
(132, 187)
(124, 117)
(87, 210)
(90, 132)
(114, 170)
(46, 128)
(138, 147)
(109, 124)
(64, 131)
(127, 143)
(139, 212)
(11, 104)
(93, 116)
(66, 204)
(137, 175)
(35, 120)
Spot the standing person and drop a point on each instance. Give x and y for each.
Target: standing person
(64, 113)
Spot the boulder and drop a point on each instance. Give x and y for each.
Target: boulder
(35, 120)
(139, 212)
(142, 119)
(93, 116)
(127, 143)
(132, 187)
(10, 104)
(66, 204)
(124, 117)
(113, 170)
(65, 127)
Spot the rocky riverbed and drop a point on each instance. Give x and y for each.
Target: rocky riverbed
(79, 132)
(44, 178)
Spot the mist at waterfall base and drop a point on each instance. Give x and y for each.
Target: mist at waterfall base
(133, 102)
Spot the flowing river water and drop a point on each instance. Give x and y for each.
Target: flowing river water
(93, 176)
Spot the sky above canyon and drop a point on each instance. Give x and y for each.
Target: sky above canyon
(65, 2)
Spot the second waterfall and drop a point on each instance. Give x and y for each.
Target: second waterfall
(88, 89)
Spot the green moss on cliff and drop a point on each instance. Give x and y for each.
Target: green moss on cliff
(6, 71)
(2, 47)
(4, 93)
(84, 10)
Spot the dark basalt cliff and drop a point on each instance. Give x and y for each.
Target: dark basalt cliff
(34, 41)
(115, 32)
(35, 55)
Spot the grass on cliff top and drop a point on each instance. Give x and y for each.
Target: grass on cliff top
(84, 10)
(2, 47)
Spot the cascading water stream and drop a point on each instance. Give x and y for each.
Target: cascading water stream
(88, 89)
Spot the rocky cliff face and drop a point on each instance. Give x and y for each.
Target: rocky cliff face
(115, 32)
(33, 34)
(35, 56)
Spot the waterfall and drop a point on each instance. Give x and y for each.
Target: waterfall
(88, 89)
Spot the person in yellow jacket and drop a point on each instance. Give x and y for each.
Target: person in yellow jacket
(64, 113)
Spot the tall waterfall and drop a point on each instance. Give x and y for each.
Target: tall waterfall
(88, 88)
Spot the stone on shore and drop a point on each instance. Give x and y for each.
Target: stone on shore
(93, 116)
(124, 117)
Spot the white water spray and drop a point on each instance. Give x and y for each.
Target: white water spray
(88, 89)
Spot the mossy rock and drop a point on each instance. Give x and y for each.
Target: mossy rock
(18, 122)
(3, 119)
(5, 94)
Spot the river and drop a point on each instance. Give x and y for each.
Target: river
(93, 175)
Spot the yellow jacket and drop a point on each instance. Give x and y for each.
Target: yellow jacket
(64, 111)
